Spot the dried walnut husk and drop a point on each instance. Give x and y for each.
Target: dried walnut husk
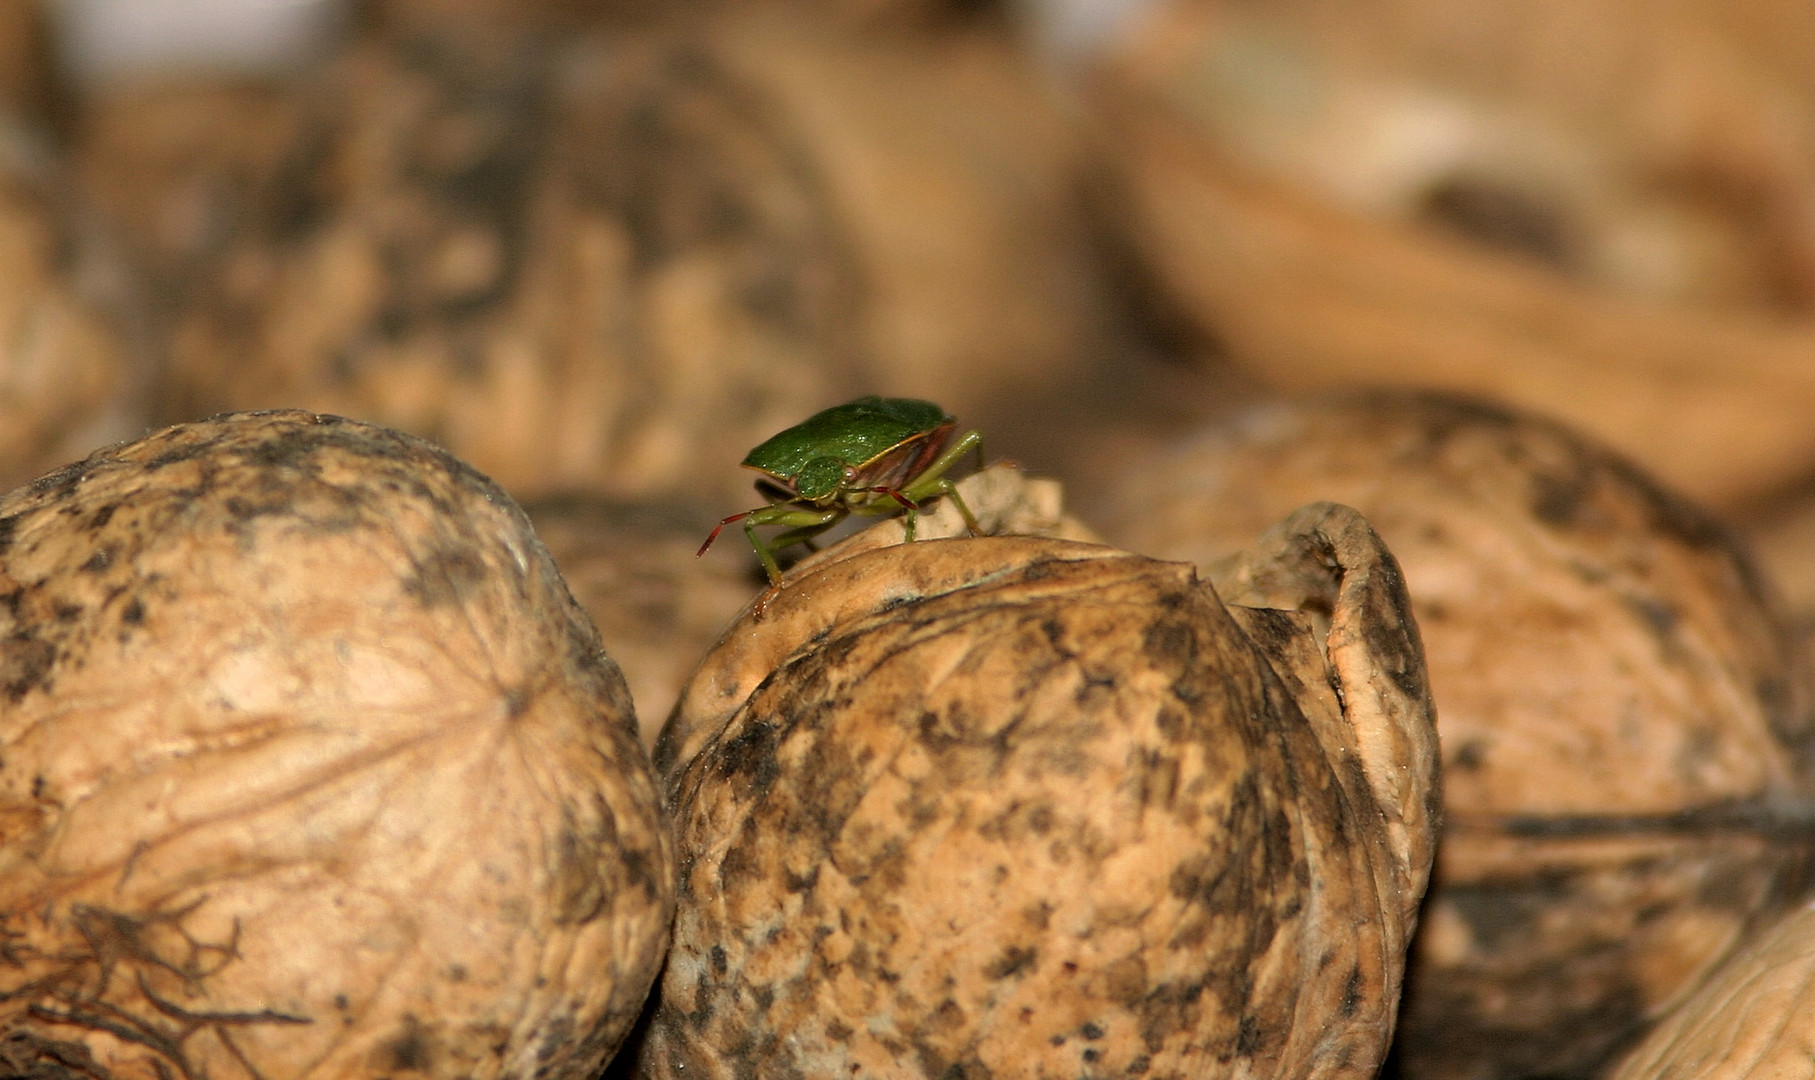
(1024, 807)
(312, 768)
(1625, 740)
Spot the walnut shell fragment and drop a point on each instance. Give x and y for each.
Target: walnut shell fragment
(1750, 1019)
(1625, 740)
(1023, 807)
(312, 768)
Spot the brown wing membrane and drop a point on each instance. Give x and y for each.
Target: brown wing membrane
(905, 460)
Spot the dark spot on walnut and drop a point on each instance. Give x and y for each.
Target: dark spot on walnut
(26, 662)
(750, 754)
(411, 1050)
(1503, 217)
(1351, 993)
(1659, 616)
(1012, 961)
(1248, 1036)
(446, 575)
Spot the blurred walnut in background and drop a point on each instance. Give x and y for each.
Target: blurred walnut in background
(1660, 150)
(69, 361)
(607, 262)
(1604, 211)
(422, 236)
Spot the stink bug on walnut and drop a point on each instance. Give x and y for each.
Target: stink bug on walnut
(872, 456)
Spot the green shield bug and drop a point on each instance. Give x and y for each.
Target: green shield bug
(874, 455)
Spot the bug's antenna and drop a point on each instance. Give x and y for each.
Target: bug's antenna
(715, 531)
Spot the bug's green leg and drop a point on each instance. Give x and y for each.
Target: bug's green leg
(804, 534)
(950, 491)
(809, 522)
(932, 481)
(924, 485)
(763, 552)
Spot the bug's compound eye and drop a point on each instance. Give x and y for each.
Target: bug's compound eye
(820, 479)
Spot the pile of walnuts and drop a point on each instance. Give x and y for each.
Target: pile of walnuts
(366, 710)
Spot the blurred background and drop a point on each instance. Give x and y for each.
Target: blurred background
(600, 248)
(604, 247)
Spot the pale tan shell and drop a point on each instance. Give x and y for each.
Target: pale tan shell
(1019, 807)
(1752, 1018)
(1622, 716)
(312, 769)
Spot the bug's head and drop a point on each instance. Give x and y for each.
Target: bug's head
(821, 478)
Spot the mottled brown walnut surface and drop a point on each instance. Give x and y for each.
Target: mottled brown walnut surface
(1626, 739)
(309, 768)
(1016, 807)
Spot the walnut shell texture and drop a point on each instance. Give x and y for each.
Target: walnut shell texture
(1750, 1019)
(1018, 807)
(1625, 736)
(312, 768)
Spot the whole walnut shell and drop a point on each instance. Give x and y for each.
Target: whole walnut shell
(1020, 807)
(312, 768)
(1625, 737)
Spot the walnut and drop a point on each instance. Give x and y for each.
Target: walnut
(1018, 807)
(312, 768)
(1624, 726)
